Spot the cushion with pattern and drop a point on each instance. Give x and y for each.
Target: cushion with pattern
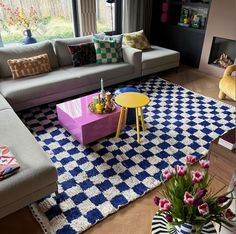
(29, 66)
(136, 40)
(82, 54)
(116, 38)
(8, 163)
(106, 51)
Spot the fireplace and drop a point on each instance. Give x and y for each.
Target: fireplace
(223, 52)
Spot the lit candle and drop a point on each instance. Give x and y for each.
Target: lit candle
(101, 84)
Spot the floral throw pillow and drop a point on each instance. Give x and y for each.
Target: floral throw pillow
(82, 54)
(116, 38)
(137, 40)
(106, 51)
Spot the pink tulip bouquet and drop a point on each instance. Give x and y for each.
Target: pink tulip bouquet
(188, 198)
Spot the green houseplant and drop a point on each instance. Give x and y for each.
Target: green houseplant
(188, 198)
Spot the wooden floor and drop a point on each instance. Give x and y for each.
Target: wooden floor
(137, 216)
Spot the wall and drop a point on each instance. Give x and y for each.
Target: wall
(221, 23)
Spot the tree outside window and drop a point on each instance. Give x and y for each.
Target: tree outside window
(48, 19)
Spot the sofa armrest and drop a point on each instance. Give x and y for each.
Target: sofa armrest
(133, 57)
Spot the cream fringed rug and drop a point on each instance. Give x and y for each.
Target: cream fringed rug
(96, 180)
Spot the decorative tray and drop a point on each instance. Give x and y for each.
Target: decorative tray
(93, 110)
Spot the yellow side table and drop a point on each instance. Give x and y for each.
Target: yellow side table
(131, 100)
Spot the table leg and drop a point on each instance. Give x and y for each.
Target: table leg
(142, 119)
(120, 122)
(126, 113)
(137, 124)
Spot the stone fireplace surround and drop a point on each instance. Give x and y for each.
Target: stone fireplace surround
(221, 23)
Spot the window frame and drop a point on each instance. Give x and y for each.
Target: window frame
(118, 18)
(76, 23)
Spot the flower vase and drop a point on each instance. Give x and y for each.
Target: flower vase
(187, 228)
(28, 37)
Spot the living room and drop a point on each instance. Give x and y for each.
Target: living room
(107, 185)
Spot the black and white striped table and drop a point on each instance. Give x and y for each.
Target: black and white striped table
(159, 226)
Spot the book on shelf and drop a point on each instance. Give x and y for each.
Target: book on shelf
(228, 140)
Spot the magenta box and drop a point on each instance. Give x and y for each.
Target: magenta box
(84, 125)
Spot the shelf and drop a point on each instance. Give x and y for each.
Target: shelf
(196, 4)
(193, 4)
(189, 29)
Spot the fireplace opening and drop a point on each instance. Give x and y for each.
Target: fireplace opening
(223, 52)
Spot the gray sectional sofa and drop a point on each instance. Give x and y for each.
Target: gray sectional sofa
(37, 176)
(66, 80)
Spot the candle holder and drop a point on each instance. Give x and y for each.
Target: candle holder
(102, 105)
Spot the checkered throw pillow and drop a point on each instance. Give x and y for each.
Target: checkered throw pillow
(106, 51)
(117, 38)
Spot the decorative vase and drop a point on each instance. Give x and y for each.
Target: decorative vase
(28, 37)
(187, 228)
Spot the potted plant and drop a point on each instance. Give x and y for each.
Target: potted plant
(188, 201)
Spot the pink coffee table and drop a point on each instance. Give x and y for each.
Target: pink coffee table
(84, 125)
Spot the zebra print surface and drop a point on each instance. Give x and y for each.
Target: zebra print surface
(159, 226)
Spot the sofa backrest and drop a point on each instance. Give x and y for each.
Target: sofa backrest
(61, 48)
(24, 51)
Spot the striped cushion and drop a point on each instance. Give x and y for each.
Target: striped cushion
(29, 66)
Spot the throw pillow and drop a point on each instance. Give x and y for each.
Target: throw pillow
(106, 51)
(83, 53)
(136, 40)
(29, 66)
(8, 163)
(116, 38)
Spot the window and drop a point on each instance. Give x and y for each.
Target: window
(47, 19)
(105, 11)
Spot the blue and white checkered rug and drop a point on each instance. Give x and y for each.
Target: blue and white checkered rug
(96, 180)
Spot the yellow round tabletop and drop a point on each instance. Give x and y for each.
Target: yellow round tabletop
(132, 100)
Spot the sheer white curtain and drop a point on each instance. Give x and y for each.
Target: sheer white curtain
(87, 17)
(137, 15)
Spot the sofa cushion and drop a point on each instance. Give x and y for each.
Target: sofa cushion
(136, 40)
(156, 56)
(106, 51)
(29, 66)
(24, 51)
(82, 54)
(62, 80)
(61, 48)
(116, 38)
(36, 171)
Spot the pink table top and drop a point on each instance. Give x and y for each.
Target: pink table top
(78, 110)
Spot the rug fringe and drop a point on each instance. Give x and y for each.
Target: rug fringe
(41, 219)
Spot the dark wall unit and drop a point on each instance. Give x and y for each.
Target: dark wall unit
(180, 25)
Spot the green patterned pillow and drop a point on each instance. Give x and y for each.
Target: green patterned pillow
(136, 40)
(105, 51)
